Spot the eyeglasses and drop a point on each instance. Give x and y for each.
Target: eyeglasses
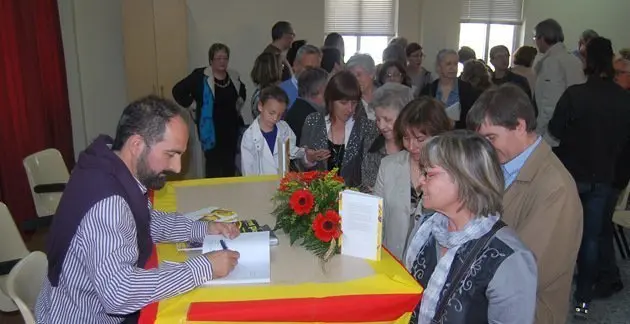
(620, 72)
(394, 75)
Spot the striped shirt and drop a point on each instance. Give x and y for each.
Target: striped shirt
(100, 282)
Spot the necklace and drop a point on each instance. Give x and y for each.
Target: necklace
(222, 83)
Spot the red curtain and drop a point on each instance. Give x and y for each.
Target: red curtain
(34, 109)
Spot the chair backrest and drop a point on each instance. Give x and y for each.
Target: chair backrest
(45, 167)
(25, 282)
(12, 245)
(622, 202)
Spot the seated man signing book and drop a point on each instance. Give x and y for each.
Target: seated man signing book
(103, 231)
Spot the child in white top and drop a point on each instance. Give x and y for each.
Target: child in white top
(259, 146)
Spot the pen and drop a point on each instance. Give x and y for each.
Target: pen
(223, 245)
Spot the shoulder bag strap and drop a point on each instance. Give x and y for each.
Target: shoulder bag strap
(463, 269)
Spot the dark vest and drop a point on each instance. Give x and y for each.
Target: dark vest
(98, 174)
(468, 305)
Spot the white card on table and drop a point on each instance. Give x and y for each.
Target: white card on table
(361, 224)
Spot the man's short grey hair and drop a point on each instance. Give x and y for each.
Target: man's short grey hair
(364, 61)
(550, 31)
(307, 49)
(473, 165)
(392, 96)
(311, 81)
(443, 53)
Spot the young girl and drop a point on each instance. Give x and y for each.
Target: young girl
(259, 147)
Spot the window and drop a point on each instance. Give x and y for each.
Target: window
(488, 23)
(373, 45)
(366, 25)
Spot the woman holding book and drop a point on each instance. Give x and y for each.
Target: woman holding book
(398, 176)
(473, 268)
(338, 131)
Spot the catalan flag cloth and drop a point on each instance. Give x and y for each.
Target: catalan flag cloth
(302, 290)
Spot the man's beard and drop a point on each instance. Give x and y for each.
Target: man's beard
(149, 178)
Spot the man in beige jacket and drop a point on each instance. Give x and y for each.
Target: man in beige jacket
(541, 202)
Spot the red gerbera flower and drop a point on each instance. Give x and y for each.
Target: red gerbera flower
(326, 226)
(309, 176)
(302, 201)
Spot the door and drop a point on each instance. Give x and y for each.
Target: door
(140, 52)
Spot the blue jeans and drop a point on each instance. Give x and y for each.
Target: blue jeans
(594, 197)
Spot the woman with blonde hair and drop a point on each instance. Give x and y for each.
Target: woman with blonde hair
(473, 268)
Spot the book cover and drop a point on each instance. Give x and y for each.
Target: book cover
(361, 224)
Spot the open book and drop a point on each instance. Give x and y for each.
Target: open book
(361, 224)
(254, 265)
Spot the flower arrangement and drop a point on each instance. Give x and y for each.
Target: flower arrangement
(306, 208)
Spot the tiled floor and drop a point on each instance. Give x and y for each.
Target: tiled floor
(615, 310)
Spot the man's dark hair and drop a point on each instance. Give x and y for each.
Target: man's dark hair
(550, 31)
(333, 39)
(273, 92)
(279, 29)
(502, 106)
(146, 117)
(330, 57)
(292, 52)
(599, 58)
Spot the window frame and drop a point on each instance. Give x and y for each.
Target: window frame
(516, 43)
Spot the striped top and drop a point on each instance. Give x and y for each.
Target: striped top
(100, 282)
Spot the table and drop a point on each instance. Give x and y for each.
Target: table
(346, 290)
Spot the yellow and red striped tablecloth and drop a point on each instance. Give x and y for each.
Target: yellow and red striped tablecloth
(389, 295)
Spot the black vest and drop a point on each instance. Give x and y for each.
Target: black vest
(469, 303)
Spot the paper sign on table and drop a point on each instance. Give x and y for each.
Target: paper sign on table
(361, 224)
(253, 265)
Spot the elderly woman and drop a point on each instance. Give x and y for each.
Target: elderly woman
(387, 103)
(398, 176)
(218, 94)
(473, 268)
(458, 96)
(338, 135)
(363, 68)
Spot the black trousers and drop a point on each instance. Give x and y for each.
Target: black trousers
(220, 162)
(608, 272)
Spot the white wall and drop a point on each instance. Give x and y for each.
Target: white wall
(93, 48)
